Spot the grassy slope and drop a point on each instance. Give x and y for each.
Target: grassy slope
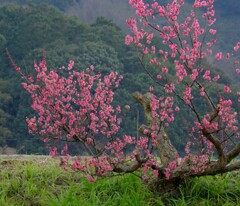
(34, 181)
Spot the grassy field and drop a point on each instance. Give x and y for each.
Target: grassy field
(40, 181)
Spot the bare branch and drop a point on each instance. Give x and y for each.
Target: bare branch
(233, 153)
(128, 168)
(218, 146)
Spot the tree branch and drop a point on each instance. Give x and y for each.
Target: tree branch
(128, 168)
(233, 153)
(221, 156)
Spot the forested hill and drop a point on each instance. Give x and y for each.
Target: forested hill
(33, 31)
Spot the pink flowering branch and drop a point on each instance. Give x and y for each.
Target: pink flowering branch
(77, 107)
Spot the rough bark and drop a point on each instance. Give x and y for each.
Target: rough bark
(167, 152)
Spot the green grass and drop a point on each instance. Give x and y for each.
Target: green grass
(211, 190)
(31, 183)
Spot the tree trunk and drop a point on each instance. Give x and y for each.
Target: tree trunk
(163, 187)
(167, 152)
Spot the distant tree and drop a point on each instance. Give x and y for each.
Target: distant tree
(5, 103)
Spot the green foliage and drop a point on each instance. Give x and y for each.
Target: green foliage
(5, 103)
(211, 190)
(99, 54)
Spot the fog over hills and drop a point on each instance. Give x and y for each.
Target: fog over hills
(89, 10)
(227, 12)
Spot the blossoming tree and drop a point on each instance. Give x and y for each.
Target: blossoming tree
(77, 107)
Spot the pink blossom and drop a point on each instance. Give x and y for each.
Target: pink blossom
(159, 76)
(168, 88)
(25, 86)
(167, 173)
(153, 50)
(151, 88)
(187, 148)
(164, 70)
(218, 56)
(91, 67)
(153, 135)
(194, 74)
(129, 139)
(149, 38)
(128, 39)
(160, 51)
(127, 107)
(209, 51)
(228, 55)
(145, 131)
(155, 172)
(90, 178)
(216, 78)
(212, 31)
(118, 108)
(227, 89)
(187, 95)
(53, 152)
(206, 75)
(70, 65)
(202, 92)
(177, 109)
(172, 165)
(145, 50)
(236, 47)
